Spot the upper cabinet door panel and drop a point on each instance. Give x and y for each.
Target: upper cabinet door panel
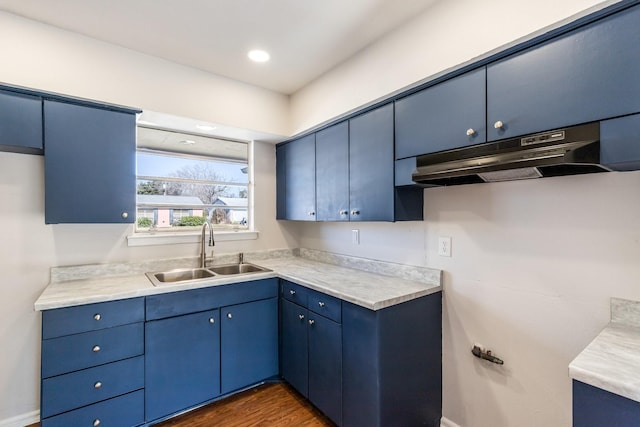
(371, 180)
(281, 184)
(20, 122)
(332, 173)
(300, 179)
(586, 75)
(445, 116)
(89, 164)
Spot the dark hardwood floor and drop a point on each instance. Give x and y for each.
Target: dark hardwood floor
(268, 405)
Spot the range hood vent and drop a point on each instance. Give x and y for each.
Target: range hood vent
(569, 151)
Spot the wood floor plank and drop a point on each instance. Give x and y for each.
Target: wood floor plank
(268, 405)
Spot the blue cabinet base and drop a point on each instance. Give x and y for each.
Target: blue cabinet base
(594, 407)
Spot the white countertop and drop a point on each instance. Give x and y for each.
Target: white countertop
(612, 360)
(367, 283)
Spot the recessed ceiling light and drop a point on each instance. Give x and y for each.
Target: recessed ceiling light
(187, 142)
(205, 127)
(258, 55)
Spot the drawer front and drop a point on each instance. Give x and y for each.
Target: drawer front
(70, 391)
(91, 317)
(68, 354)
(295, 293)
(123, 411)
(325, 305)
(193, 301)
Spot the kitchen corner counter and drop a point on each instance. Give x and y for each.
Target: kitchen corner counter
(368, 283)
(611, 361)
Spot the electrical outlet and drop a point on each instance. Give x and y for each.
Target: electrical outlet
(444, 246)
(355, 237)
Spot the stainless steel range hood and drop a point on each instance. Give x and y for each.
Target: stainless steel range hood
(569, 151)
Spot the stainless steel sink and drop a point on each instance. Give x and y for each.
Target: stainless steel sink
(179, 275)
(244, 268)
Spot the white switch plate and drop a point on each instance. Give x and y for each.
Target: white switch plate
(355, 237)
(444, 246)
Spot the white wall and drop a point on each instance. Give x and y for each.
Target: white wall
(447, 34)
(43, 57)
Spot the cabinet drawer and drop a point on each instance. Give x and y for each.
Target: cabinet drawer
(123, 411)
(91, 317)
(295, 293)
(70, 391)
(185, 302)
(325, 305)
(67, 354)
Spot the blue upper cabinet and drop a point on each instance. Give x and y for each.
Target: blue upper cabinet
(445, 116)
(89, 164)
(588, 74)
(371, 166)
(20, 123)
(300, 179)
(281, 186)
(332, 177)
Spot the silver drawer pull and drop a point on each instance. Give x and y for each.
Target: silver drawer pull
(320, 303)
(229, 315)
(97, 316)
(96, 348)
(97, 385)
(212, 320)
(96, 422)
(311, 321)
(292, 292)
(301, 316)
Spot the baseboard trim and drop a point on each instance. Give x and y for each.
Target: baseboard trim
(446, 422)
(21, 420)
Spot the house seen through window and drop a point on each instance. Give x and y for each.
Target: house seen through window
(184, 180)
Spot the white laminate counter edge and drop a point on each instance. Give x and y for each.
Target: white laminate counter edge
(78, 285)
(612, 360)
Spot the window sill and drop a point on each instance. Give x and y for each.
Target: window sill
(167, 238)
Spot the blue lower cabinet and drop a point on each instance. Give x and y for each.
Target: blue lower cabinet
(392, 364)
(182, 363)
(325, 366)
(294, 360)
(122, 411)
(594, 407)
(249, 343)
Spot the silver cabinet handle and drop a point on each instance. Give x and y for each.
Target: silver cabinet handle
(96, 422)
(292, 292)
(311, 213)
(125, 215)
(311, 321)
(96, 348)
(97, 385)
(471, 132)
(355, 212)
(320, 303)
(229, 315)
(301, 316)
(97, 316)
(212, 320)
(498, 125)
(344, 212)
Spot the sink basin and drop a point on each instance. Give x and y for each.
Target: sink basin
(179, 275)
(243, 268)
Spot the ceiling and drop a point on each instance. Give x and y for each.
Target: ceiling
(305, 38)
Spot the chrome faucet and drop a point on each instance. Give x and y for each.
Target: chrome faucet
(241, 258)
(203, 251)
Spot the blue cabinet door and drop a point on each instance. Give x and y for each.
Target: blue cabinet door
(294, 351)
(300, 179)
(371, 166)
(594, 407)
(89, 164)
(448, 115)
(332, 173)
(249, 342)
(586, 75)
(281, 185)
(20, 122)
(325, 366)
(182, 363)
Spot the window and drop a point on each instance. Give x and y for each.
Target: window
(184, 180)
